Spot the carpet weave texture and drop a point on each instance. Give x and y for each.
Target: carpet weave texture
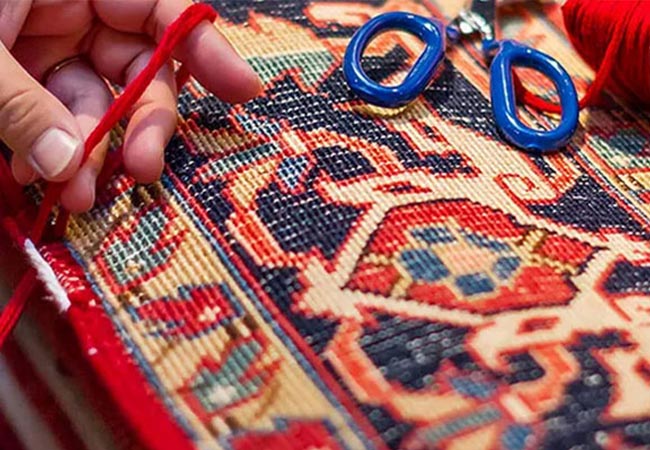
(311, 273)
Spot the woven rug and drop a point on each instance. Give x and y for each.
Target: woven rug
(314, 274)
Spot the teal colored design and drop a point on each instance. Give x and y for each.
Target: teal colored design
(627, 149)
(144, 247)
(262, 127)
(236, 161)
(482, 417)
(292, 169)
(225, 386)
(312, 66)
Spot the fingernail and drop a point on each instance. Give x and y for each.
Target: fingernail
(52, 152)
(260, 84)
(253, 74)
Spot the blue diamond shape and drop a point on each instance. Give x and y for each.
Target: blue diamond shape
(506, 266)
(475, 283)
(424, 265)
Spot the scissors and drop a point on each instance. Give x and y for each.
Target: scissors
(478, 19)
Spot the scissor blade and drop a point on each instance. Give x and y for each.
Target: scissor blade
(487, 9)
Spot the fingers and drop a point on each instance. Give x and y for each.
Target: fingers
(38, 55)
(112, 53)
(12, 18)
(151, 124)
(121, 57)
(87, 97)
(35, 125)
(56, 17)
(207, 53)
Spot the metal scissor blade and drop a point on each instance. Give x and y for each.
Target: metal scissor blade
(479, 18)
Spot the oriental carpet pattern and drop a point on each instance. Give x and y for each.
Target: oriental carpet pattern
(312, 273)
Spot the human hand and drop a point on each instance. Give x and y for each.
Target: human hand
(46, 124)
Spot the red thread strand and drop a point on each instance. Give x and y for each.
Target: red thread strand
(613, 38)
(14, 232)
(182, 77)
(174, 34)
(16, 305)
(11, 192)
(111, 165)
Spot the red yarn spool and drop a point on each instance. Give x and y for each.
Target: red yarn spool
(613, 37)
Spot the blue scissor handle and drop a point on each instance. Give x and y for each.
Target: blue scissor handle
(422, 72)
(504, 105)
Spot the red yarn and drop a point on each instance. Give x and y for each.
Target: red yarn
(616, 35)
(174, 34)
(14, 308)
(613, 37)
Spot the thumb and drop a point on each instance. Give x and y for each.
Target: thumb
(35, 125)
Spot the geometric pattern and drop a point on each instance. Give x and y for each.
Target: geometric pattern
(440, 253)
(312, 272)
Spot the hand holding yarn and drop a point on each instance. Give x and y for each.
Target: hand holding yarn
(55, 56)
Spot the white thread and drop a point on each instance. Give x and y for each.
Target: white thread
(47, 276)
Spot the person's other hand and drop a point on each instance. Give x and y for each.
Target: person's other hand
(45, 118)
